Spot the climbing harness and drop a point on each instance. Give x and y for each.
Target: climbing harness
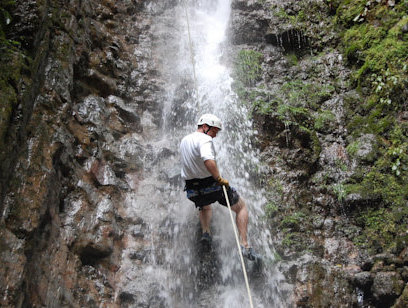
(223, 187)
(239, 247)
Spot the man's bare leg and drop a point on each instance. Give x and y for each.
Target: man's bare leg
(241, 219)
(205, 218)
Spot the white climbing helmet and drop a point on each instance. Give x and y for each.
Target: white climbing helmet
(210, 120)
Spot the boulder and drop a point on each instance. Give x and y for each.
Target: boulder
(386, 288)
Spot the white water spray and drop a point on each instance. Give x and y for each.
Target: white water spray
(169, 270)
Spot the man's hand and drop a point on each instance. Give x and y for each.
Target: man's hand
(222, 181)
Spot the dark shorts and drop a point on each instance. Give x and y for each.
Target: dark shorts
(206, 191)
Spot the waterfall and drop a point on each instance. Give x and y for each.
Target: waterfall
(162, 265)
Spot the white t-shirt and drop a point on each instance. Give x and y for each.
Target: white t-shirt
(195, 149)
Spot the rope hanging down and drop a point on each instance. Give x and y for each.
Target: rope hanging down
(239, 247)
(190, 45)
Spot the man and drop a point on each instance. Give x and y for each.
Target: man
(204, 182)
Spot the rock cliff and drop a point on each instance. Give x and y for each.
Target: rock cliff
(301, 67)
(326, 84)
(79, 82)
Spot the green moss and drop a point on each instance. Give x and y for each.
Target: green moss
(248, 66)
(293, 104)
(314, 142)
(376, 42)
(353, 147)
(291, 115)
(389, 176)
(292, 59)
(299, 93)
(289, 240)
(281, 13)
(293, 220)
(376, 45)
(348, 10)
(339, 191)
(11, 65)
(387, 179)
(5, 19)
(324, 120)
(275, 195)
(295, 241)
(381, 228)
(360, 38)
(379, 56)
(271, 209)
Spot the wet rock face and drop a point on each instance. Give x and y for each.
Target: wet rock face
(310, 154)
(248, 21)
(61, 227)
(290, 40)
(27, 17)
(13, 262)
(386, 288)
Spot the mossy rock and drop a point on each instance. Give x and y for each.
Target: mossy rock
(402, 301)
(11, 66)
(248, 68)
(365, 148)
(383, 228)
(325, 121)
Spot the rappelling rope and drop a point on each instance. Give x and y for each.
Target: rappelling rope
(239, 247)
(190, 45)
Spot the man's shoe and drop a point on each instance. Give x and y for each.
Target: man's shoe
(249, 253)
(206, 238)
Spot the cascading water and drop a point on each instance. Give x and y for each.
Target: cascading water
(162, 263)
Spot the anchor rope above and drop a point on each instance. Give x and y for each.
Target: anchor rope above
(190, 45)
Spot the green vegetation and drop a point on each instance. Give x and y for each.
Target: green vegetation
(248, 67)
(11, 62)
(388, 177)
(293, 220)
(299, 93)
(376, 43)
(296, 104)
(324, 120)
(292, 19)
(5, 20)
(292, 59)
(271, 209)
(295, 97)
(384, 229)
(294, 227)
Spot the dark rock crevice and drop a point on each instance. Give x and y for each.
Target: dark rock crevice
(291, 40)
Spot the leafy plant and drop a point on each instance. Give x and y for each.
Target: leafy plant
(293, 220)
(383, 227)
(248, 66)
(271, 209)
(376, 45)
(5, 20)
(324, 119)
(340, 191)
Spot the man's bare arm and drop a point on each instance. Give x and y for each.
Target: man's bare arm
(211, 166)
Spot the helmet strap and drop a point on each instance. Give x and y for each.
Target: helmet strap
(209, 127)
